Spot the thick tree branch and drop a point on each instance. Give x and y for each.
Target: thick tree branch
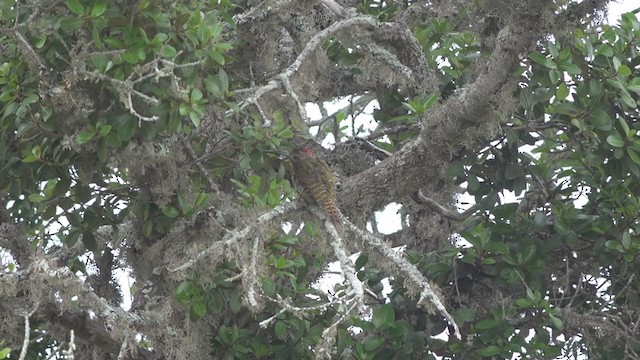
(310, 47)
(404, 65)
(100, 328)
(418, 162)
(87, 328)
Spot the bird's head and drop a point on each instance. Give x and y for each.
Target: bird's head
(306, 151)
(301, 153)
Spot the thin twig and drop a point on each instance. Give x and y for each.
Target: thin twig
(27, 332)
(123, 348)
(360, 103)
(335, 8)
(348, 268)
(203, 172)
(378, 133)
(235, 236)
(445, 212)
(252, 273)
(410, 271)
(309, 48)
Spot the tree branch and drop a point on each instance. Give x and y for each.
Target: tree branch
(235, 235)
(99, 328)
(443, 127)
(443, 211)
(404, 268)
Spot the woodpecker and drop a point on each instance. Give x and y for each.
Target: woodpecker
(315, 183)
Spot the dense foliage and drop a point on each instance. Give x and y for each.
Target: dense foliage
(148, 138)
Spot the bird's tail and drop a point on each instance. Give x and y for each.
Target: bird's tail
(334, 215)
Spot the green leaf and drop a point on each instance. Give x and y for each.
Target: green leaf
(218, 84)
(513, 171)
(168, 51)
(62, 187)
(604, 49)
(538, 57)
(557, 323)
(147, 228)
(615, 140)
(183, 109)
(473, 183)
(280, 330)
(199, 309)
(627, 100)
(217, 57)
(72, 238)
(524, 303)
(182, 292)
(170, 211)
(497, 248)
(626, 240)
(624, 70)
(195, 118)
(215, 301)
(373, 343)
(196, 95)
(462, 315)
(361, 261)
(624, 125)
(555, 76)
(490, 350)
(633, 155)
(89, 241)
(30, 158)
(131, 56)
(201, 199)
(383, 316)
(213, 87)
(75, 7)
(562, 92)
(4, 353)
(567, 108)
(455, 169)
(102, 151)
(486, 324)
(488, 261)
(36, 198)
(39, 44)
(571, 69)
(542, 60)
(98, 10)
(234, 301)
(601, 120)
(286, 133)
(528, 254)
(614, 245)
(71, 23)
(85, 136)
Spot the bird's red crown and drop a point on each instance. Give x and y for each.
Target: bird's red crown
(308, 151)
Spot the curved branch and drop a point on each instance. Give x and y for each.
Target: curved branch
(88, 329)
(100, 329)
(428, 297)
(418, 161)
(444, 211)
(309, 48)
(234, 236)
